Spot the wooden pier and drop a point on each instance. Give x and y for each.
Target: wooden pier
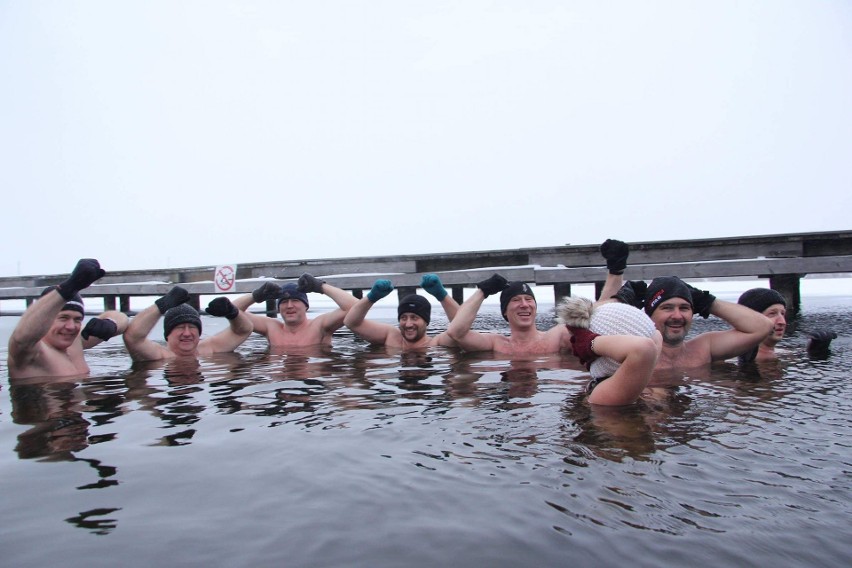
(782, 259)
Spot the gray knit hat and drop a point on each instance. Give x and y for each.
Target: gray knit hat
(183, 313)
(759, 299)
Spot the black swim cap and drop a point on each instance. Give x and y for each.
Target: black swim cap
(74, 304)
(512, 290)
(414, 304)
(665, 288)
(183, 313)
(759, 299)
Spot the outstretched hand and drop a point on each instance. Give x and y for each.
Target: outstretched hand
(616, 253)
(87, 271)
(380, 289)
(222, 306)
(492, 285)
(820, 339)
(432, 284)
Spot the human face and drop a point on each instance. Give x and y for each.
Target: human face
(778, 314)
(673, 318)
(412, 326)
(183, 339)
(293, 311)
(64, 330)
(521, 310)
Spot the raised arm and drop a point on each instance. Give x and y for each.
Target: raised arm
(330, 321)
(459, 329)
(37, 319)
(750, 327)
(136, 339)
(239, 328)
(374, 332)
(136, 335)
(615, 252)
(433, 285)
(269, 291)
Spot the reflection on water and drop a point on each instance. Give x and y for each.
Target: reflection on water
(354, 455)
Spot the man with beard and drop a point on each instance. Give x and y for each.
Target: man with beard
(672, 304)
(414, 314)
(50, 338)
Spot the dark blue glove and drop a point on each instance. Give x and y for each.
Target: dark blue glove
(615, 252)
(308, 283)
(702, 300)
(100, 328)
(269, 291)
(222, 306)
(84, 274)
(380, 289)
(175, 297)
(632, 293)
(492, 285)
(432, 284)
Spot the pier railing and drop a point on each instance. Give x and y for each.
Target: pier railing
(783, 259)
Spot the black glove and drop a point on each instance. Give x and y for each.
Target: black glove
(87, 271)
(581, 344)
(308, 283)
(701, 301)
(632, 293)
(820, 339)
(175, 297)
(100, 328)
(615, 252)
(222, 307)
(492, 285)
(269, 291)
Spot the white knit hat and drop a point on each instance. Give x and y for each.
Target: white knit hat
(610, 318)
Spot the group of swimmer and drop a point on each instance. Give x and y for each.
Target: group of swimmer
(634, 328)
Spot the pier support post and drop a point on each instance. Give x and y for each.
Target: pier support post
(599, 286)
(109, 302)
(561, 290)
(195, 301)
(458, 294)
(124, 303)
(788, 286)
(358, 293)
(404, 291)
(271, 308)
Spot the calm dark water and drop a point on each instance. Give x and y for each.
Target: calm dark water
(361, 457)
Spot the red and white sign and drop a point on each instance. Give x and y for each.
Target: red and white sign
(224, 278)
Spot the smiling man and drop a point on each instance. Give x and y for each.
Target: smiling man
(50, 338)
(296, 330)
(413, 314)
(182, 329)
(672, 304)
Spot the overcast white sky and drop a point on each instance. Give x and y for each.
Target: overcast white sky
(166, 134)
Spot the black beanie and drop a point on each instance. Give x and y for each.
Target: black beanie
(759, 299)
(183, 313)
(512, 290)
(414, 304)
(664, 288)
(74, 304)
